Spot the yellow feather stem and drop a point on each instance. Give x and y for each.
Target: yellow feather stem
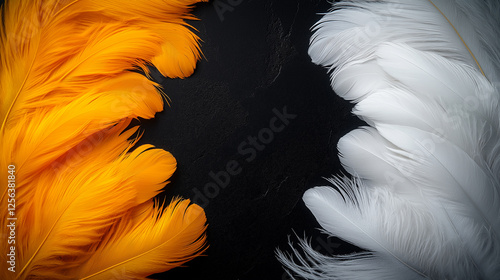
(66, 100)
(176, 236)
(459, 36)
(85, 200)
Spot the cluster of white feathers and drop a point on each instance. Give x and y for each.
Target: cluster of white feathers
(423, 198)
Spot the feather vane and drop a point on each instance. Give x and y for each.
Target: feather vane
(83, 192)
(425, 194)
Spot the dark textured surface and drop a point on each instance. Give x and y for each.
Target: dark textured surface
(255, 61)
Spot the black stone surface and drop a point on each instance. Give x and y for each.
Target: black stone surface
(255, 63)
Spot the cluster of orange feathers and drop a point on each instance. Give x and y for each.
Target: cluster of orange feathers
(84, 195)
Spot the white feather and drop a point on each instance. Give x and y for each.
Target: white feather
(425, 193)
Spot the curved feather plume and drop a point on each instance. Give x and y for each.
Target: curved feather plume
(425, 195)
(79, 200)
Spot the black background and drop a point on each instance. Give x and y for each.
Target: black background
(255, 60)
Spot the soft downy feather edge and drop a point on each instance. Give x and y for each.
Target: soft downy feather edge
(424, 198)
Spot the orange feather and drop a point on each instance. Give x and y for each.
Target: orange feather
(83, 195)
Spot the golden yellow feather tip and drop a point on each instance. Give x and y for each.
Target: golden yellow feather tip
(76, 194)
